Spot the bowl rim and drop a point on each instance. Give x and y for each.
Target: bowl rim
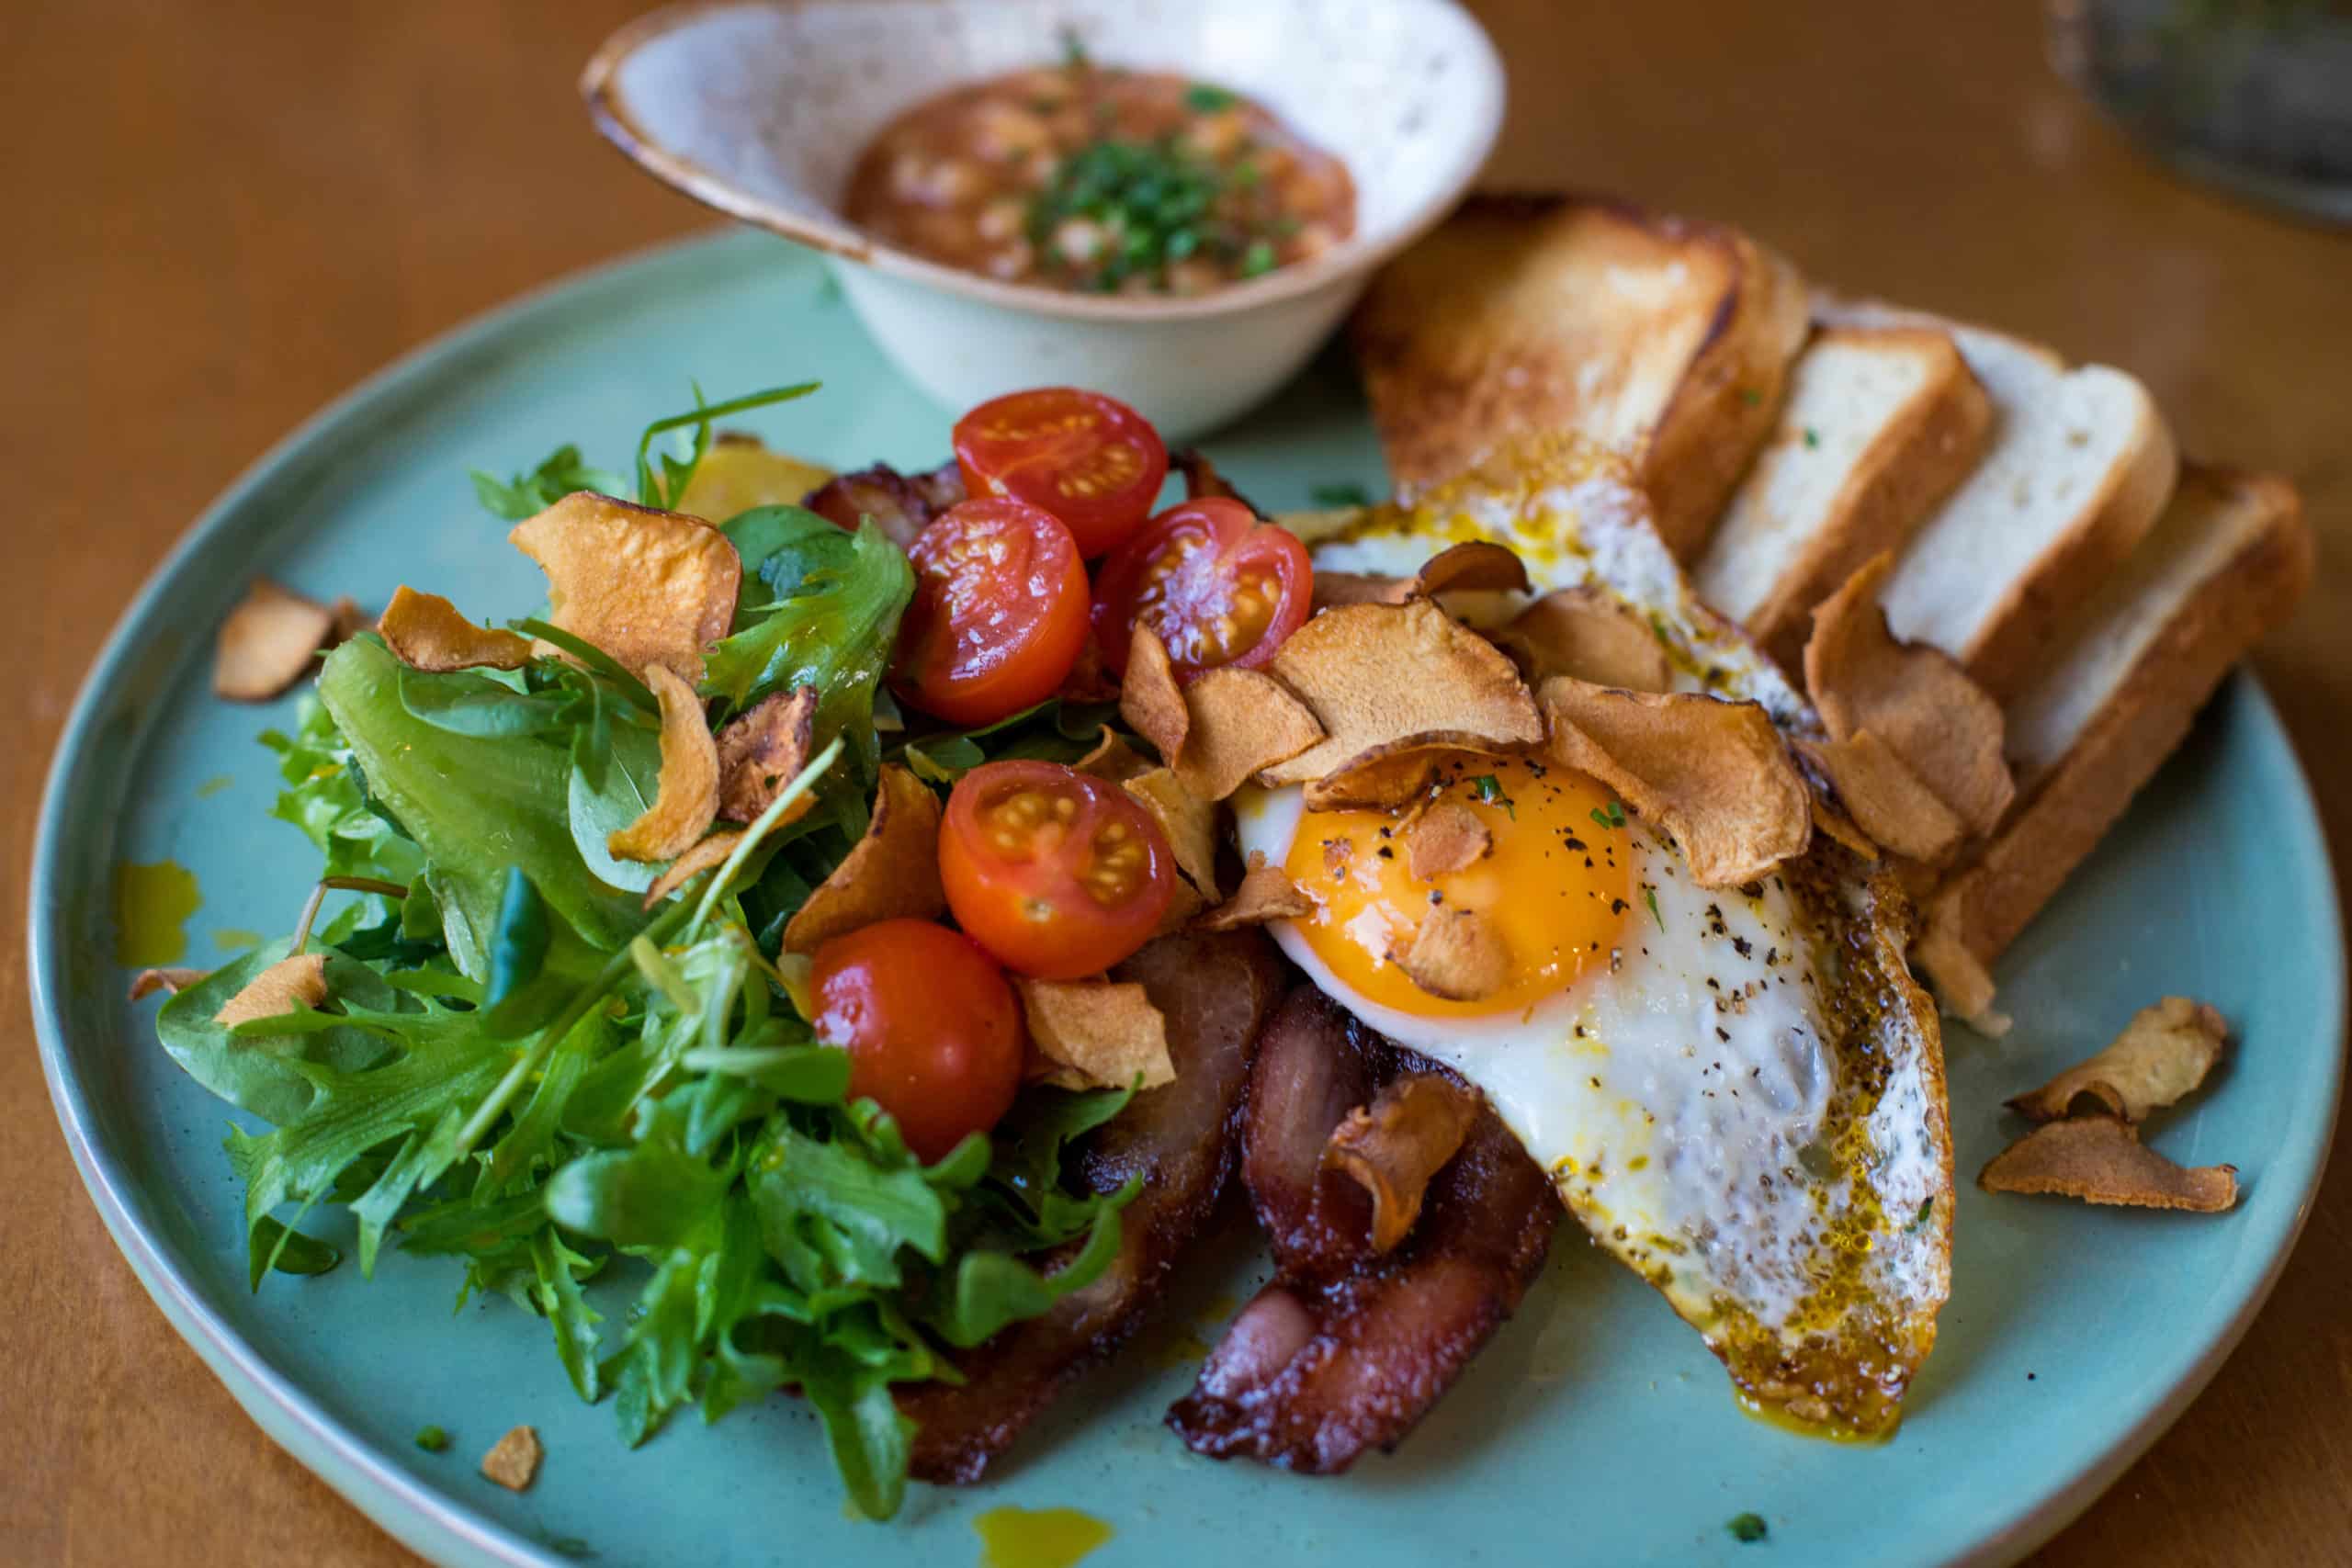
(837, 238)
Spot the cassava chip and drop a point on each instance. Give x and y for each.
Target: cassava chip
(1963, 986)
(171, 982)
(1589, 633)
(513, 1460)
(1188, 822)
(290, 985)
(2160, 1058)
(647, 587)
(1390, 775)
(890, 874)
(1374, 674)
(1113, 759)
(1150, 700)
(762, 752)
(1392, 1147)
(1095, 1034)
(1456, 955)
(685, 800)
(1477, 566)
(2101, 1160)
(426, 633)
(267, 643)
(1266, 893)
(1915, 698)
(709, 852)
(346, 620)
(1240, 722)
(1713, 774)
(1887, 800)
(1445, 839)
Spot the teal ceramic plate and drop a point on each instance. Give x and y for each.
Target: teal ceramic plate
(1596, 1428)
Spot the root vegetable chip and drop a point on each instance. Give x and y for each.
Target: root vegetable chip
(1713, 774)
(685, 800)
(427, 633)
(648, 587)
(1475, 565)
(709, 852)
(171, 982)
(1374, 674)
(1266, 893)
(1887, 800)
(892, 873)
(1151, 700)
(1095, 1034)
(1113, 759)
(765, 749)
(1915, 698)
(290, 985)
(267, 643)
(1188, 822)
(1445, 839)
(1456, 955)
(1392, 1147)
(2159, 1059)
(2101, 1160)
(348, 620)
(1228, 725)
(1589, 633)
(1388, 776)
(1963, 984)
(513, 1460)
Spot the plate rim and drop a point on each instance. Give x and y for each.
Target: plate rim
(447, 1531)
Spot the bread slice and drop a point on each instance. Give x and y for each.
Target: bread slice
(1661, 338)
(1881, 423)
(2080, 465)
(2227, 562)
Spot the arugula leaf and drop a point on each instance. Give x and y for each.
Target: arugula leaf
(271, 1081)
(273, 1246)
(663, 490)
(559, 474)
(1053, 732)
(326, 800)
(1339, 495)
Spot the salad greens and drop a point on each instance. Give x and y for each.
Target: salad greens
(614, 1117)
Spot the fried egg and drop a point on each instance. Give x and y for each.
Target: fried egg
(1738, 1092)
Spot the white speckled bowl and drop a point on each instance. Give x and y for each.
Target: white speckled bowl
(761, 109)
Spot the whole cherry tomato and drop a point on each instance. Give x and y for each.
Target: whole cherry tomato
(1090, 460)
(999, 613)
(1058, 874)
(932, 1030)
(1217, 584)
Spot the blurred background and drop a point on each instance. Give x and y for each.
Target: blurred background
(226, 213)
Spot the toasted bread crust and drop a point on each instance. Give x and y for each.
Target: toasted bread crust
(1501, 323)
(1904, 475)
(1985, 905)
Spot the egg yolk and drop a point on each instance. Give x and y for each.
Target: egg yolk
(1553, 884)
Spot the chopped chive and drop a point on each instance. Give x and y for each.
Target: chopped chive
(1747, 1528)
(432, 1439)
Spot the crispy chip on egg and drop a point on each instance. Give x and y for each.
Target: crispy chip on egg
(685, 799)
(268, 642)
(1374, 674)
(1392, 1147)
(765, 749)
(2101, 1160)
(1094, 1033)
(1919, 702)
(2160, 1058)
(426, 632)
(1444, 839)
(1714, 773)
(1390, 775)
(698, 859)
(1266, 893)
(1887, 800)
(1228, 726)
(1188, 822)
(1963, 984)
(1474, 566)
(1589, 633)
(891, 873)
(290, 985)
(1456, 955)
(1113, 759)
(647, 587)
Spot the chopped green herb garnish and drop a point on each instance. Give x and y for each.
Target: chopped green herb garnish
(1207, 97)
(1812, 437)
(1258, 259)
(1747, 1528)
(1926, 1207)
(432, 1439)
(1611, 816)
(1339, 495)
(1750, 396)
(1488, 791)
(1074, 55)
(1649, 897)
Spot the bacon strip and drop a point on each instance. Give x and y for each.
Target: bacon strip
(1182, 1139)
(1329, 1361)
(902, 504)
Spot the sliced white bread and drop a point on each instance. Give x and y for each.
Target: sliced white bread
(2228, 560)
(1660, 338)
(1880, 425)
(2079, 467)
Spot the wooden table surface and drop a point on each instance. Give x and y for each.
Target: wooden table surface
(224, 214)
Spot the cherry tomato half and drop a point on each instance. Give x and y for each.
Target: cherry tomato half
(933, 1033)
(1217, 584)
(1056, 874)
(1090, 460)
(999, 613)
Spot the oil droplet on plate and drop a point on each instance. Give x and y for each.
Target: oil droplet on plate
(1037, 1538)
(151, 904)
